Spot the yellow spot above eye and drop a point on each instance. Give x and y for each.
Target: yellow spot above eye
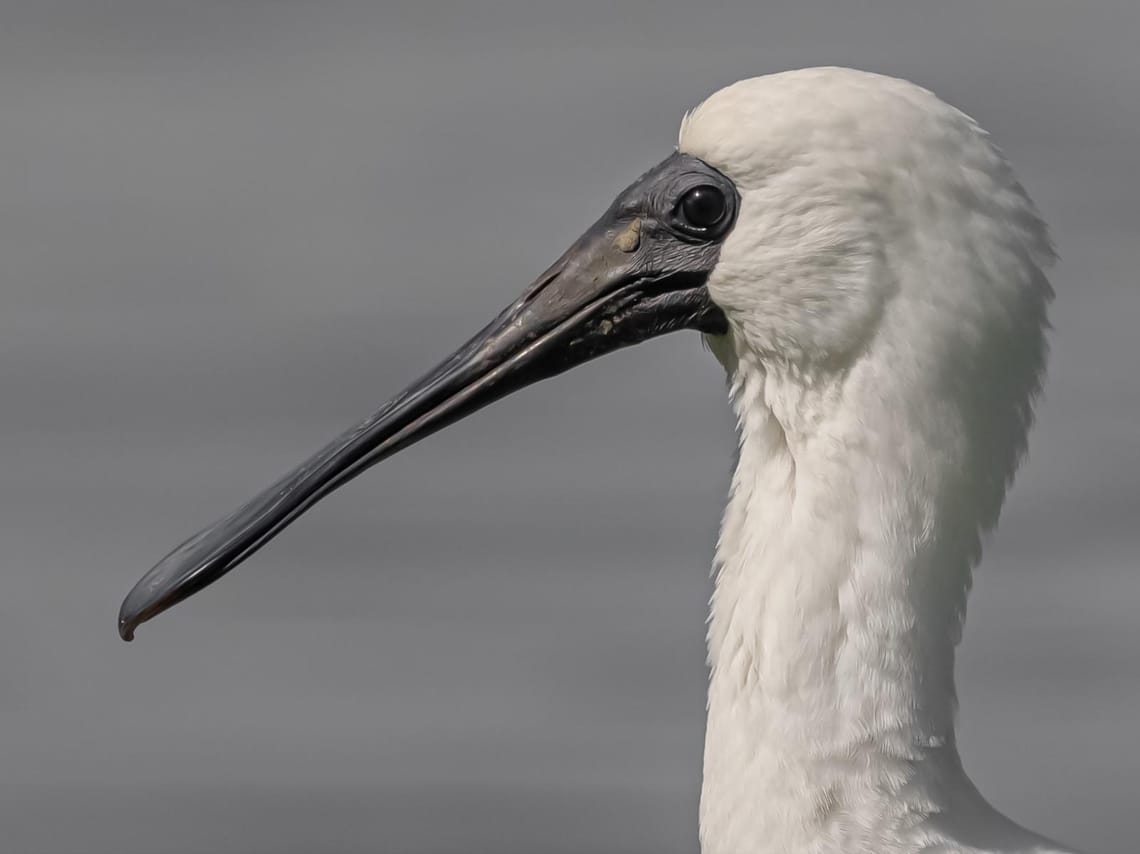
(630, 237)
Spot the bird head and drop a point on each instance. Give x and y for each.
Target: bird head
(823, 219)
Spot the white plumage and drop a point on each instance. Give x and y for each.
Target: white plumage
(887, 312)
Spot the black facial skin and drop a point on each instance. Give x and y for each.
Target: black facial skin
(637, 273)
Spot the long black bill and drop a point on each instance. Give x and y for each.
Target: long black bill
(637, 273)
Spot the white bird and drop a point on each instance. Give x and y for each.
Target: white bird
(869, 272)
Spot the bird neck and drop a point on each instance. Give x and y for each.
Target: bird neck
(842, 571)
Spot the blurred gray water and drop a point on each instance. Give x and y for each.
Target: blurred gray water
(228, 229)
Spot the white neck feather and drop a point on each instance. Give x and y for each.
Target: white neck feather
(842, 572)
(885, 293)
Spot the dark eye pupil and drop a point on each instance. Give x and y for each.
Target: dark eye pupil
(703, 207)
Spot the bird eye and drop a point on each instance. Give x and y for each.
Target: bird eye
(702, 207)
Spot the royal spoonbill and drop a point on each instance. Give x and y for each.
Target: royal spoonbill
(869, 271)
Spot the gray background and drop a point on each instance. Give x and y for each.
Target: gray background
(227, 230)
